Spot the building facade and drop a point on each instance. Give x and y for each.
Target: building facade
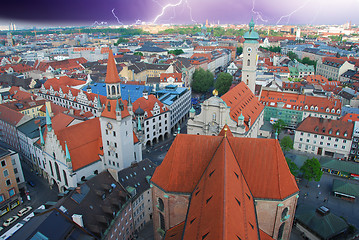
(324, 137)
(238, 108)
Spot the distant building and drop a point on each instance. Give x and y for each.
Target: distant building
(151, 118)
(324, 137)
(135, 179)
(9, 190)
(333, 68)
(178, 101)
(223, 187)
(238, 108)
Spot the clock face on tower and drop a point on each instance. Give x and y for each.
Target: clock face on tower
(249, 49)
(109, 125)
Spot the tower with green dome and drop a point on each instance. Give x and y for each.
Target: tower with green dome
(250, 51)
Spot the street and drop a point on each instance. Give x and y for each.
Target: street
(39, 194)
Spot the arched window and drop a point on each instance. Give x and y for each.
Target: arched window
(57, 171)
(161, 205)
(113, 90)
(284, 213)
(108, 90)
(162, 222)
(248, 62)
(83, 178)
(64, 173)
(118, 89)
(52, 171)
(280, 231)
(214, 117)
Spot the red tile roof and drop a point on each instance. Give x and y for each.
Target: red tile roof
(241, 100)
(109, 110)
(327, 127)
(83, 141)
(222, 205)
(148, 104)
(10, 116)
(298, 102)
(20, 95)
(267, 173)
(112, 74)
(175, 233)
(62, 82)
(177, 77)
(350, 117)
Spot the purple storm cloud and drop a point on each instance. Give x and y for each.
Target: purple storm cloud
(182, 11)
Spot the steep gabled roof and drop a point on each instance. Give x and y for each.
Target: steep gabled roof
(111, 74)
(148, 104)
(111, 112)
(222, 205)
(265, 170)
(241, 100)
(83, 141)
(176, 175)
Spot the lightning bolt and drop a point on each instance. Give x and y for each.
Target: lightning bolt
(99, 23)
(172, 5)
(118, 20)
(257, 13)
(288, 16)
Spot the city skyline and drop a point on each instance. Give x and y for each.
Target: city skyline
(315, 12)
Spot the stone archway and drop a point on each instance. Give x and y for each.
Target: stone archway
(160, 138)
(154, 141)
(166, 135)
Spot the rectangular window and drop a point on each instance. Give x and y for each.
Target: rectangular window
(116, 155)
(108, 153)
(114, 133)
(343, 147)
(8, 182)
(321, 143)
(307, 140)
(11, 192)
(344, 141)
(301, 134)
(308, 134)
(108, 142)
(115, 144)
(315, 136)
(301, 139)
(3, 163)
(6, 173)
(2, 198)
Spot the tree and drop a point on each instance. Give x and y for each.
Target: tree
(286, 143)
(138, 53)
(279, 125)
(176, 52)
(239, 51)
(292, 167)
(223, 83)
(292, 55)
(311, 170)
(121, 40)
(202, 80)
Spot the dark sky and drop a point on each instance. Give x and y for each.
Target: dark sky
(180, 11)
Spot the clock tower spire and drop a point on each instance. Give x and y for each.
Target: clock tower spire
(250, 50)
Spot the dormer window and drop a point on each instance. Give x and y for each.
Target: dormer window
(345, 134)
(338, 111)
(333, 110)
(306, 107)
(337, 133)
(323, 129)
(330, 131)
(316, 108)
(311, 108)
(316, 129)
(327, 110)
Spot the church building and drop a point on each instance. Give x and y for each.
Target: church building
(223, 187)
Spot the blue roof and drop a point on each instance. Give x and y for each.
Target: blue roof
(169, 94)
(135, 91)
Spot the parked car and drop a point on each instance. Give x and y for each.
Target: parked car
(23, 211)
(31, 183)
(10, 221)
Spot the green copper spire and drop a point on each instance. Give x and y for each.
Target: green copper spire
(118, 109)
(68, 157)
(178, 130)
(192, 110)
(241, 117)
(41, 137)
(48, 120)
(251, 24)
(129, 102)
(98, 101)
(139, 128)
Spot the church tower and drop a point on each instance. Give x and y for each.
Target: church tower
(250, 50)
(113, 88)
(116, 124)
